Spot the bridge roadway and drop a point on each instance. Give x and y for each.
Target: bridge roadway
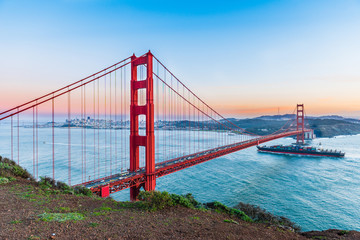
(118, 182)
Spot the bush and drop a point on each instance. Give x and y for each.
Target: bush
(20, 172)
(261, 215)
(4, 180)
(81, 190)
(155, 200)
(219, 207)
(185, 200)
(8, 168)
(64, 187)
(47, 182)
(5, 166)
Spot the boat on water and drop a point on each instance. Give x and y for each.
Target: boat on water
(300, 150)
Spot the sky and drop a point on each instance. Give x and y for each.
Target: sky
(244, 58)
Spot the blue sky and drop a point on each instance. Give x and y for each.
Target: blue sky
(245, 58)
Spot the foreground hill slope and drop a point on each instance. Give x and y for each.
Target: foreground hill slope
(27, 212)
(52, 210)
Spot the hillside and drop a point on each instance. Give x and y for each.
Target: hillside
(51, 210)
(325, 126)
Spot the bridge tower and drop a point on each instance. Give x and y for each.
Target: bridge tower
(136, 140)
(300, 138)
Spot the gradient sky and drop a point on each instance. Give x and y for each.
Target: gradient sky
(244, 58)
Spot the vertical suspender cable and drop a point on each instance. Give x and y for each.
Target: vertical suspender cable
(116, 165)
(69, 139)
(37, 144)
(157, 112)
(110, 121)
(12, 138)
(34, 141)
(105, 130)
(18, 136)
(94, 126)
(164, 125)
(53, 139)
(125, 110)
(85, 126)
(98, 127)
(82, 134)
(122, 102)
(189, 124)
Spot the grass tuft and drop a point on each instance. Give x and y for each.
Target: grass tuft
(60, 217)
(16, 222)
(230, 221)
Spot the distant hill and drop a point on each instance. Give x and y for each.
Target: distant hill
(323, 126)
(277, 117)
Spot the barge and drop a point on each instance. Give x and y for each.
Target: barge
(300, 150)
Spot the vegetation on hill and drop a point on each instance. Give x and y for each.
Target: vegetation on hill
(261, 215)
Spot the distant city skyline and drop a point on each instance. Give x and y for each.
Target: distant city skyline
(244, 58)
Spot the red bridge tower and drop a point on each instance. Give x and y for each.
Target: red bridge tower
(300, 138)
(136, 140)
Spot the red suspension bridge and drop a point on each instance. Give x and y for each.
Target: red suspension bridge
(123, 127)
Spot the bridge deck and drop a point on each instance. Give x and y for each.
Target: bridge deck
(125, 180)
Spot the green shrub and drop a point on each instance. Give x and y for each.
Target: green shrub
(46, 183)
(155, 200)
(49, 183)
(185, 200)
(261, 215)
(81, 190)
(10, 168)
(181, 200)
(219, 207)
(4, 180)
(63, 186)
(20, 172)
(4, 165)
(11, 179)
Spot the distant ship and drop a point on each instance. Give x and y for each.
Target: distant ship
(300, 150)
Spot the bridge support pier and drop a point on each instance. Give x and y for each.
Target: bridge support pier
(134, 192)
(136, 140)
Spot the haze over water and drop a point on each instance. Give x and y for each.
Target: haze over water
(315, 192)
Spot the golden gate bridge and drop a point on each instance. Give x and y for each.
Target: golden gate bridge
(138, 122)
